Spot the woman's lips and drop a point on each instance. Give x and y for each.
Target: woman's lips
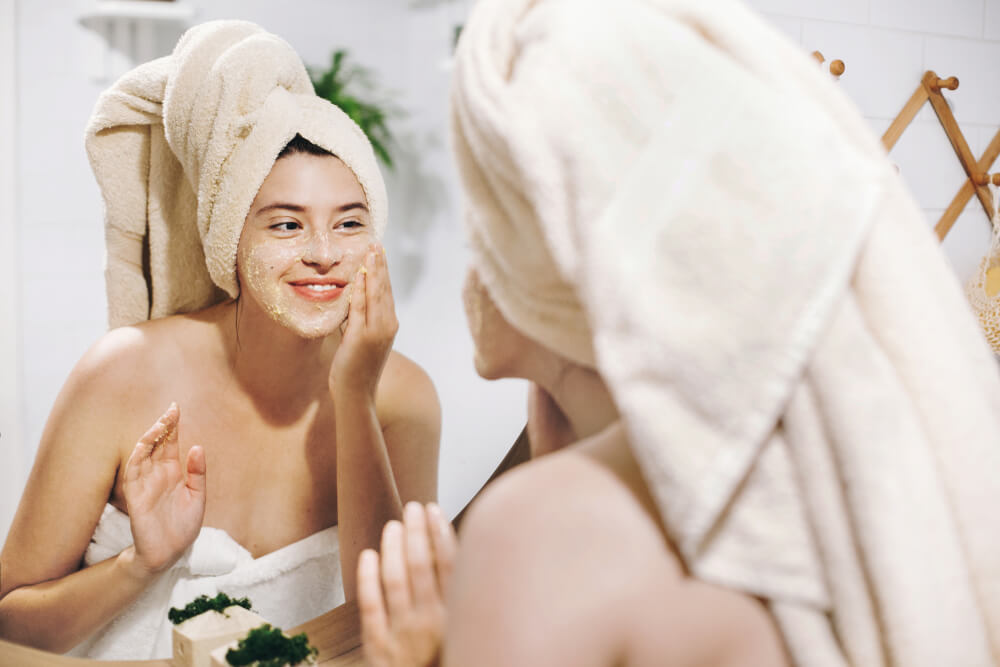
(319, 292)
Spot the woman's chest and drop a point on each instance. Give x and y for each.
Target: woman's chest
(270, 481)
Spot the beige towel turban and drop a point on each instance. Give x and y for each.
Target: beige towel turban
(670, 191)
(180, 146)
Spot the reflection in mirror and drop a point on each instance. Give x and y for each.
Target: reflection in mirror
(61, 291)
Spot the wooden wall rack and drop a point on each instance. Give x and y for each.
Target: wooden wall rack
(977, 171)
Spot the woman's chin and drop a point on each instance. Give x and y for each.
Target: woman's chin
(313, 328)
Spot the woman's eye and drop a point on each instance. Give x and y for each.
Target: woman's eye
(352, 224)
(286, 226)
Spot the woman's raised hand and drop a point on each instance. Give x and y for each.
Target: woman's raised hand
(401, 593)
(369, 331)
(165, 498)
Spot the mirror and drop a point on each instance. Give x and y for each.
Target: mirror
(59, 233)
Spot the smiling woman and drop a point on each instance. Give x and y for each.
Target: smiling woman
(303, 233)
(293, 430)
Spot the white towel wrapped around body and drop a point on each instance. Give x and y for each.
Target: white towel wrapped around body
(180, 146)
(282, 585)
(670, 192)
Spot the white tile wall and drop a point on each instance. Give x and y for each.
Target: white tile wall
(991, 27)
(883, 66)
(928, 164)
(968, 241)
(976, 63)
(963, 18)
(850, 11)
(791, 27)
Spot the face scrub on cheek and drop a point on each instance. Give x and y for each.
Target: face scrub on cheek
(269, 267)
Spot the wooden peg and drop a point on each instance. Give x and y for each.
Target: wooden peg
(951, 83)
(837, 67)
(818, 56)
(986, 178)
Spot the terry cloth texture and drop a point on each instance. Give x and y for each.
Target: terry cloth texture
(671, 192)
(180, 146)
(286, 587)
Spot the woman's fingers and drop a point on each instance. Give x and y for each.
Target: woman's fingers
(419, 559)
(134, 465)
(382, 315)
(359, 303)
(196, 470)
(444, 543)
(169, 449)
(374, 622)
(145, 451)
(394, 575)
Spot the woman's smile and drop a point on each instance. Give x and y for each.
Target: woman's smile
(319, 289)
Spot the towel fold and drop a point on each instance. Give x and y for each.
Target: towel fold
(180, 146)
(672, 193)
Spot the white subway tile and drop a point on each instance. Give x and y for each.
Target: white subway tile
(789, 26)
(979, 137)
(991, 26)
(928, 164)
(968, 241)
(940, 17)
(849, 11)
(71, 250)
(883, 66)
(975, 63)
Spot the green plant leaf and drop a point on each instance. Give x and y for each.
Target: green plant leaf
(333, 84)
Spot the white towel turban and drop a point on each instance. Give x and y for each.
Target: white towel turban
(669, 191)
(180, 146)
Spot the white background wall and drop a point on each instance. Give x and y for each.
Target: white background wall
(886, 45)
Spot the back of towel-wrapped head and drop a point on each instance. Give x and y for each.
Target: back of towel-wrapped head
(641, 182)
(181, 145)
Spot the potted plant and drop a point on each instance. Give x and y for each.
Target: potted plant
(337, 84)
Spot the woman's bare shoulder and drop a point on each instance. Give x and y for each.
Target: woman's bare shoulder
(127, 378)
(129, 357)
(405, 388)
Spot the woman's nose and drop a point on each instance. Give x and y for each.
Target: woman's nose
(322, 252)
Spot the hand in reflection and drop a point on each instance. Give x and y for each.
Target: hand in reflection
(369, 330)
(401, 593)
(166, 503)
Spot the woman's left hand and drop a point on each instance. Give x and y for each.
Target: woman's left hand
(401, 592)
(369, 330)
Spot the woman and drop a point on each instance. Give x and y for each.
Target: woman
(293, 430)
(721, 289)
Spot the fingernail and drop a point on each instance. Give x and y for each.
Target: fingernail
(368, 559)
(412, 510)
(392, 529)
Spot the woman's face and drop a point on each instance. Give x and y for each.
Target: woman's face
(302, 243)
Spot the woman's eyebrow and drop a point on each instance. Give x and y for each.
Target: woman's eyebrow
(352, 205)
(298, 208)
(282, 205)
